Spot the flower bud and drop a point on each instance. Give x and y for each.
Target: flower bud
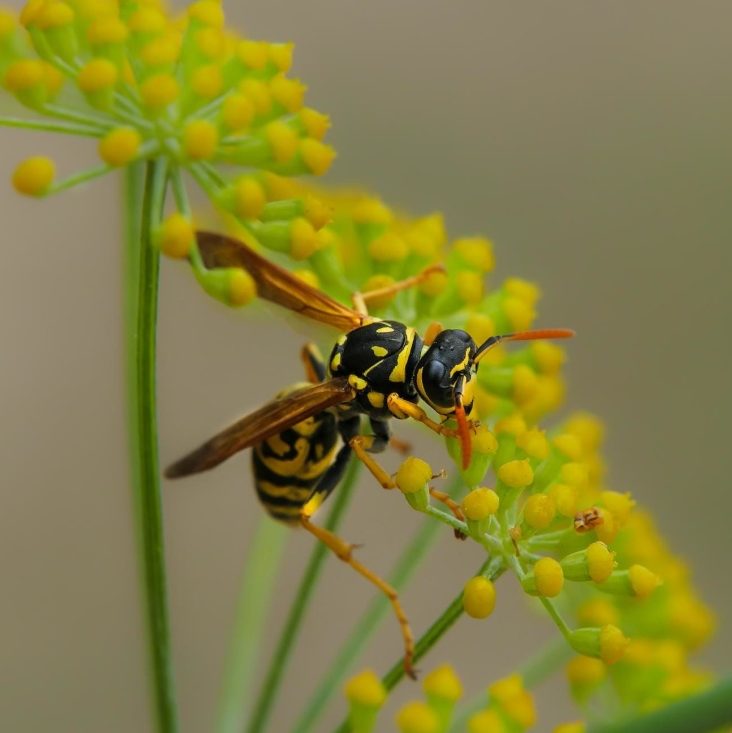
(607, 643)
(412, 479)
(417, 717)
(479, 597)
(546, 578)
(594, 563)
(636, 581)
(478, 506)
(366, 695)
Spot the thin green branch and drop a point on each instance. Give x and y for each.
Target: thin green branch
(260, 574)
(67, 128)
(273, 679)
(141, 310)
(492, 568)
(699, 713)
(405, 566)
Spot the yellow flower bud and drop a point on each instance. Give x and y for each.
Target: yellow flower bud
(106, 30)
(316, 124)
(546, 579)
(281, 55)
(176, 236)
(200, 139)
(569, 446)
(548, 356)
(23, 75)
(534, 443)
(584, 670)
(158, 91)
(486, 721)
(434, 284)
(539, 511)
(417, 717)
(642, 580)
(282, 140)
(317, 156)
(389, 247)
(413, 475)
(237, 112)
(520, 315)
(97, 75)
(304, 239)
(249, 198)
(207, 81)
(442, 682)
(526, 291)
(366, 689)
(613, 644)
(565, 498)
(476, 252)
(516, 474)
(54, 15)
(469, 286)
(480, 503)
(34, 176)
(253, 54)
(242, 288)
(479, 597)
(120, 146)
(600, 562)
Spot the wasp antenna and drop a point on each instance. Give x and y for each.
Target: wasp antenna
(539, 333)
(466, 445)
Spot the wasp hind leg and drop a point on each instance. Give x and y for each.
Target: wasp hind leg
(344, 551)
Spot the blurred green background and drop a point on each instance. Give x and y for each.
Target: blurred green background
(591, 141)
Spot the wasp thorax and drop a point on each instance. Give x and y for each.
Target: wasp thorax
(445, 371)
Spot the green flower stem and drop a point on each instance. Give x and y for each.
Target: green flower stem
(273, 679)
(260, 575)
(143, 211)
(534, 671)
(81, 177)
(405, 566)
(67, 128)
(702, 712)
(492, 568)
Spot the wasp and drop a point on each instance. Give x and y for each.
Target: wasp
(377, 368)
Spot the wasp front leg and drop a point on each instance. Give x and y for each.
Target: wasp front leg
(401, 408)
(364, 445)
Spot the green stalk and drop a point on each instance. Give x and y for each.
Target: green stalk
(260, 575)
(273, 679)
(143, 209)
(705, 711)
(405, 566)
(534, 671)
(491, 568)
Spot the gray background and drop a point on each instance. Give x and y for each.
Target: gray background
(590, 140)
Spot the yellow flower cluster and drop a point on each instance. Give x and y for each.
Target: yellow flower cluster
(180, 89)
(510, 709)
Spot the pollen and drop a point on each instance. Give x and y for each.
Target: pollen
(207, 81)
(413, 475)
(549, 577)
(643, 581)
(443, 683)
(516, 474)
(176, 236)
(304, 239)
(389, 247)
(480, 503)
(242, 288)
(34, 176)
(282, 140)
(539, 511)
(159, 91)
(318, 157)
(479, 597)
(200, 139)
(249, 198)
(366, 689)
(417, 717)
(97, 75)
(120, 146)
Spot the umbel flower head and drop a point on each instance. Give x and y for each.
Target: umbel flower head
(181, 89)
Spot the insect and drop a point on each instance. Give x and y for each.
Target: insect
(377, 368)
(587, 520)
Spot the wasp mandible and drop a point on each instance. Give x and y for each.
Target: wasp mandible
(377, 368)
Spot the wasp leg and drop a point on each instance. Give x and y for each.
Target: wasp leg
(431, 333)
(362, 446)
(402, 408)
(452, 505)
(360, 300)
(314, 364)
(344, 551)
(400, 446)
(408, 282)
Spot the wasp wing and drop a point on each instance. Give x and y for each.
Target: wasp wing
(261, 424)
(276, 284)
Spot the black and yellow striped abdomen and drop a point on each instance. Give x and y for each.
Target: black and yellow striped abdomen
(287, 467)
